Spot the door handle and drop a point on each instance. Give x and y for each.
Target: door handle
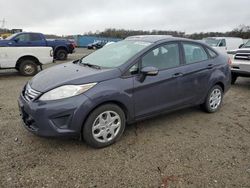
(178, 74)
(210, 66)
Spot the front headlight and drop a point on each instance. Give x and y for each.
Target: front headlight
(66, 91)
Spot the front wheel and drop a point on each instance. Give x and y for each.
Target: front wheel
(104, 126)
(213, 100)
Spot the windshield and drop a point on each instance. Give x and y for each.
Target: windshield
(116, 54)
(212, 41)
(247, 45)
(11, 36)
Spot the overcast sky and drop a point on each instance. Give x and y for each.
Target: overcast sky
(79, 16)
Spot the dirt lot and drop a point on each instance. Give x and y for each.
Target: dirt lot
(187, 148)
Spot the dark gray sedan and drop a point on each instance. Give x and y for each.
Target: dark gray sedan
(139, 77)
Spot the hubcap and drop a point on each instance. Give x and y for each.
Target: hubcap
(106, 126)
(62, 55)
(215, 99)
(29, 69)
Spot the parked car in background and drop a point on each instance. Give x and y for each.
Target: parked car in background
(137, 78)
(96, 45)
(224, 44)
(241, 63)
(24, 39)
(1, 38)
(25, 59)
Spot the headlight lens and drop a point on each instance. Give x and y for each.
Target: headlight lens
(66, 91)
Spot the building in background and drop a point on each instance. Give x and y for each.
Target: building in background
(84, 41)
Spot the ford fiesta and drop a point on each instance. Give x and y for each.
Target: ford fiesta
(95, 97)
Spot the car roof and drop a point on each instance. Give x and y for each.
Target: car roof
(155, 38)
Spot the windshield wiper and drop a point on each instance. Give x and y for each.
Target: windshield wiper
(91, 65)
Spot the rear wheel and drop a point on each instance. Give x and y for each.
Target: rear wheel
(61, 54)
(28, 67)
(104, 126)
(213, 100)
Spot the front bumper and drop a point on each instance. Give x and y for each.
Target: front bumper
(55, 118)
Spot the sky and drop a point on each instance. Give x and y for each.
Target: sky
(68, 17)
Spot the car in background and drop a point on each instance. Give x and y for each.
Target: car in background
(95, 97)
(26, 60)
(241, 63)
(60, 47)
(96, 45)
(224, 44)
(1, 38)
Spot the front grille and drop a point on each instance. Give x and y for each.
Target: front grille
(244, 55)
(30, 94)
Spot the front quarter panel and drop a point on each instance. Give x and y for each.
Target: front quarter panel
(118, 90)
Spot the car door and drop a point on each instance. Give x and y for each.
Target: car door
(196, 72)
(159, 92)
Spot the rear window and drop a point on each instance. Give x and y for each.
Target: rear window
(194, 53)
(35, 37)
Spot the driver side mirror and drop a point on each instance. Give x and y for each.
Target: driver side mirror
(16, 40)
(148, 71)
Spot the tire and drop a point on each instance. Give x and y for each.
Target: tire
(233, 78)
(28, 67)
(61, 54)
(213, 100)
(94, 132)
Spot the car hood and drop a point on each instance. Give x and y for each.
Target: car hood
(70, 73)
(4, 43)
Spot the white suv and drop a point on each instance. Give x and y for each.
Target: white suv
(241, 62)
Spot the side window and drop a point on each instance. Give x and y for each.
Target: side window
(166, 56)
(134, 69)
(23, 37)
(35, 37)
(222, 43)
(194, 53)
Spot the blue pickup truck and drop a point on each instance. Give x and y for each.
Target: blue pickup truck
(61, 48)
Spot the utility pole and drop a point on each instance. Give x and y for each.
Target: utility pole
(3, 23)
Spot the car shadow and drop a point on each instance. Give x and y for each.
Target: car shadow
(132, 130)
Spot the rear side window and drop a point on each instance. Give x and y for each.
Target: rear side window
(194, 53)
(35, 37)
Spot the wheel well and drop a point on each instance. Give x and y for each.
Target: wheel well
(122, 106)
(19, 61)
(221, 85)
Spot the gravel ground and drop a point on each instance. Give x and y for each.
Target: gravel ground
(186, 148)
